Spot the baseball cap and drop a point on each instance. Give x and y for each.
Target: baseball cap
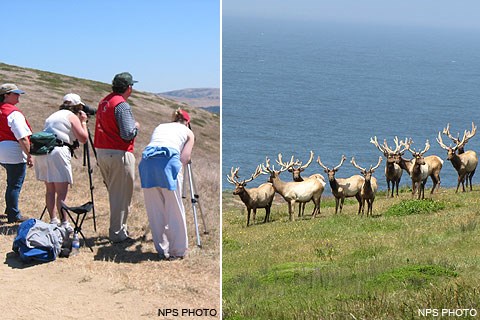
(9, 88)
(185, 115)
(123, 79)
(72, 99)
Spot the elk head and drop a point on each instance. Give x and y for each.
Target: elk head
(418, 155)
(367, 174)
(265, 169)
(298, 167)
(240, 185)
(331, 172)
(460, 143)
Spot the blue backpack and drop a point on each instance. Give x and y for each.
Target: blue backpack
(38, 241)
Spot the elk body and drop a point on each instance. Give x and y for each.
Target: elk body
(419, 171)
(465, 163)
(343, 188)
(253, 198)
(434, 163)
(295, 192)
(393, 171)
(369, 187)
(296, 170)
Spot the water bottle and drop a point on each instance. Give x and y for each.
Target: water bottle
(75, 244)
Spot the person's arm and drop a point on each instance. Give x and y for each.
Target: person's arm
(79, 126)
(25, 145)
(185, 156)
(126, 122)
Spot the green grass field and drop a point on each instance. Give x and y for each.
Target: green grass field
(410, 257)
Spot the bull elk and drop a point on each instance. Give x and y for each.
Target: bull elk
(343, 188)
(296, 169)
(465, 163)
(294, 192)
(253, 198)
(393, 172)
(419, 171)
(369, 187)
(435, 165)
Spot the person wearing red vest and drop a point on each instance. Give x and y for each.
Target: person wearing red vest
(14, 148)
(115, 133)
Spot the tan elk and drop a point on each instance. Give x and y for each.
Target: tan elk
(435, 165)
(465, 163)
(343, 188)
(393, 172)
(419, 171)
(295, 192)
(253, 198)
(296, 169)
(369, 187)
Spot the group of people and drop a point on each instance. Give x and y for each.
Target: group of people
(161, 166)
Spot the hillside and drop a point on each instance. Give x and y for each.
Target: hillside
(205, 98)
(113, 275)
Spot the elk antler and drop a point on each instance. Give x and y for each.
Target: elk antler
(321, 164)
(440, 141)
(467, 135)
(375, 143)
(257, 172)
(341, 162)
(378, 164)
(446, 131)
(232, 178)
(356, 165)
(308, 162)
(284, 166)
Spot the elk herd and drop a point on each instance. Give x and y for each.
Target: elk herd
(362, 186)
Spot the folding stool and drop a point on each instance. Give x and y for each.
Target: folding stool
(81, 212)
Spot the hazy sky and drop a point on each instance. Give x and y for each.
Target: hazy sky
(428, 13)
(166, 45)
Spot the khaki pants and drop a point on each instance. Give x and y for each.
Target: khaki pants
(118, 172)
(166, 215)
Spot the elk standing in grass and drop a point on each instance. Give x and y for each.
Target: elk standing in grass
(419, 171)
(465, 163)
(343, 188)
(393, 172)
(253, 198)
(292, 192)
(369, 187)
(435, 165)
(296, 169)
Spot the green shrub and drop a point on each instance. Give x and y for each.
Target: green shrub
(409, 207)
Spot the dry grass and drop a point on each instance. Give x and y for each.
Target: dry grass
(115, 280)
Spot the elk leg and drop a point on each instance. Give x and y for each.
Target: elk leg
(337, 201)
(248, 217)
(254, 215)
(291, 208)
(267, 214)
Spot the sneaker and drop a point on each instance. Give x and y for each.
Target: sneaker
(55, 221)
(18, 220)
(173, 258)
(66, 225)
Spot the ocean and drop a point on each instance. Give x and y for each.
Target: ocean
(292, 87)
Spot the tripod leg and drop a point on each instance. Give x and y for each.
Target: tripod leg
(196, 196)
(86, 156)
(194, 206)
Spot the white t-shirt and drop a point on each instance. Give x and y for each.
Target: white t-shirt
(170, 135)
(10, 151)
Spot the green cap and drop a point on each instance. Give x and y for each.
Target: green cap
(123, 79)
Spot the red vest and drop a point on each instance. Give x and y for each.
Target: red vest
(107, 133)
(5, 131)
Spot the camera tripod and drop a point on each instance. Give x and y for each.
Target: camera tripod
(194, 198)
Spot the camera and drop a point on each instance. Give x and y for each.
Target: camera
(90, 111)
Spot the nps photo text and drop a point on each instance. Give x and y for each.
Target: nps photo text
(187, 312)
(457, 312)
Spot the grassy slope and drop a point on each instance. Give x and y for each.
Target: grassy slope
(411, 255)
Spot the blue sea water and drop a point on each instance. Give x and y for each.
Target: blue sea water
(290, 87)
